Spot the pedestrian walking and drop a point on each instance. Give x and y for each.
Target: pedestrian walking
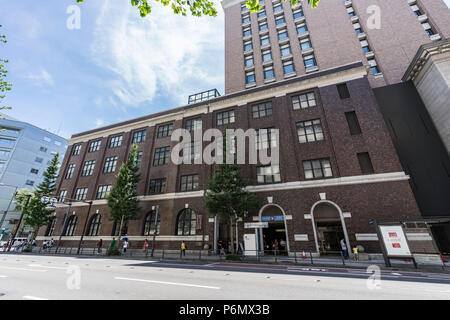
(52, 243)
(183, 248)
(344, 249)
(112, 246)
(275, 246)
(99, 246)
(125, 245)
(145, 247)
(355, 253)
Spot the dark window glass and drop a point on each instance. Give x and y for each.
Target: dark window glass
(165, 130)
(70, 226)
(161, 156)
(365, 163)
(157, 186)
(81, 193)
(110, 164)
(189, 183)
(103, 191)
(186, 222)
(115, 142)
(225, 117)
(139, 136)
(353, 123)
(262, 110)
(88, 168)
(343, 91)
(149, 224)
(319, 168)
(304, 101)
(193, 124)
(76, 149)
(268, 174)
(310, 131)
(94, 146)
(94, 225)
(50, 227)
(70, 170)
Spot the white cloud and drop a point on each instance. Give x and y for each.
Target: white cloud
(447, 2)
(41, 78)
(161, 55)
(99, 122)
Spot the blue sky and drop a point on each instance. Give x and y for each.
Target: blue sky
(117, 66)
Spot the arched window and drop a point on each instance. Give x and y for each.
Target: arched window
(50, 227)
(94, 226)
(186, 222)
(149, 224)
(70, 226)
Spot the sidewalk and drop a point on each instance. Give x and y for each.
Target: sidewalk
(209, 256)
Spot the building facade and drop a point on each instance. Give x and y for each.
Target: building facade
(25, 153)
(338, 169)
(280, 41)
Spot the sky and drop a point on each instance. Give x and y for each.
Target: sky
(116, 66)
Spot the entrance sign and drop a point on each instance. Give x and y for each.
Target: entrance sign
(250, 242)
(253, 225)
(274, 218)
(395, 241)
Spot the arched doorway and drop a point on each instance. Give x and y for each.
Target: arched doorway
(329, 227)
(277, 230)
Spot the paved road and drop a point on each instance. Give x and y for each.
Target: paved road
(56, 277)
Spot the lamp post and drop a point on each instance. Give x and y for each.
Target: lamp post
(85, 224)
(20, 221)
(12, 198)
(156, 227)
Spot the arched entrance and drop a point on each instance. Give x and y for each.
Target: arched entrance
(329, 226)
(276, 218)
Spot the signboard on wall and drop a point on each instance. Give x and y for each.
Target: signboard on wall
(395, 241)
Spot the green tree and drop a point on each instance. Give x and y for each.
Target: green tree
(226, 195)
(36, 213)
(4, 85)
(198, 8)
(122, 200)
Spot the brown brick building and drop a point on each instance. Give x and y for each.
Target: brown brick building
(338, 167)
(280, 42)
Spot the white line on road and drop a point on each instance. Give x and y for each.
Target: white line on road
(169, 283)
(3, 276)
(39, 266)
(34, 298)
(22, 269)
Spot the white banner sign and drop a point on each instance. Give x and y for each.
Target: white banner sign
(250, 225)
(395, 241)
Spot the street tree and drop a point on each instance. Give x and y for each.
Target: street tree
(4, 85)
(36, 214)
(198, 8)
(226, 195)
(122, 200)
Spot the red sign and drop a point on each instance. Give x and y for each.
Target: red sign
(396, 245)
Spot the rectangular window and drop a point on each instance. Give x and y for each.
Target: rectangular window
(309, 61)
(246, 32)
(245, 19)
(139, 136)
(161, 156)
(62, 195)
(301, 28)
(285, 50)
(157, 186)
(266, 55)
(249, 61)
(279, 20)
(277, 7)
(343, 91)
(262, 26)
(81, 193)
(319, 168)
(225, 117)
(43, 149)
(298, 13)
(262, 110)
(310, 131)
(269, 73)
(110, 164)
(304, 101)
(282, 34)
(266, 138)
(102, 192)
(165, 130)
(250, 77)
(76, 149)
(288, 67)
(70, 170)
(248, 45)
(29, 182)
(38, 160)
(88, 168)
(139, 159)
(115, 142)
(365, 163)
(305, 44)
(261, 13)
(192, 151)
(189, 183)
(268, 174)
(353, 123)
(193, 124)
(35, 171)
(265, 41)
(94, 146)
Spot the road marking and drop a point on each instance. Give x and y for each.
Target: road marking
(3, 276)
(169, 283)
(39, 266)
(34, 298)
(22, 269)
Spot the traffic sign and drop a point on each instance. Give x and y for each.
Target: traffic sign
(252, 225)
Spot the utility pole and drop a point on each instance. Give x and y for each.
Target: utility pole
(156, 228)
(84, 227)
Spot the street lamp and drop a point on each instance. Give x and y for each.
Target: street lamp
(156, 227)
(12, 198)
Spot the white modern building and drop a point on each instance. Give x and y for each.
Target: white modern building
(25, 153)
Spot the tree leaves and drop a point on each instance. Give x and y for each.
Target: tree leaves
(198, 8)
(4, 85)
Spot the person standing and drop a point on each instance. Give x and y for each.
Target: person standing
(183, 248)
(344, 249)
(99, 246)
(125, 245)
(355, 253)
(112, 246)
(145, 248)
(275, 246)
